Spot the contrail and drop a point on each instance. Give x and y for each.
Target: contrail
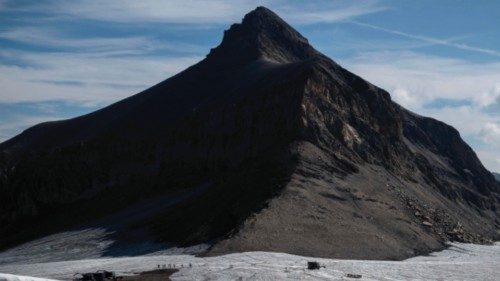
(431, 39)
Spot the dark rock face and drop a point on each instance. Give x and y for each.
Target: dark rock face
(262, 34)
(301, 155)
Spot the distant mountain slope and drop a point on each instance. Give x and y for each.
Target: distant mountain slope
(300, 156)
(497, 176)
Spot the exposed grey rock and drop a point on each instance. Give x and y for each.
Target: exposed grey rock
(427, 223)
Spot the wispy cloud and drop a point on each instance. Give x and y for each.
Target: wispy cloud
(104, 46)
(104, 68)
(48, 37)
(329, 11)
(432, 40)
(491, 133)
(201, 11)
(197, 11)
(49, 76)
(416, 81)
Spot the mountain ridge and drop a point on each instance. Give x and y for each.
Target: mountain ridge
(301, 156)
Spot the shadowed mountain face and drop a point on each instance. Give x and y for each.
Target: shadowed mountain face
(299, 156)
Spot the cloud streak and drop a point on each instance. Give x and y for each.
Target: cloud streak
(329, 11)
(47, 37)
(82, 77)
(491, 133)
(416, 81)
(104, 68)
(200, 11)
(432, 40)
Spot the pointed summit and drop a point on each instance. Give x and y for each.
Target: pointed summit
(263, 35)
(262, 18)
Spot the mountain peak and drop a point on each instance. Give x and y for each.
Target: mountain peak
(262, 17)
(263, 35)
(216, 153)
(262, 11)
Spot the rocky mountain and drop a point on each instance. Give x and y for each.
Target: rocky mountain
(294, 153)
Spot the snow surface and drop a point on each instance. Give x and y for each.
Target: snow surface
(85, 243)
(10, 277)
(458, 262)
(102, 237)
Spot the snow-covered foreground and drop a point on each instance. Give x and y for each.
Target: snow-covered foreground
(11, 277)
(85, 243)
(459, 262)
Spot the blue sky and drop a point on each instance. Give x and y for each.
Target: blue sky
(60, 59)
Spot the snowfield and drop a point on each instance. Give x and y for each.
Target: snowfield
(11, 277)
(458, 262)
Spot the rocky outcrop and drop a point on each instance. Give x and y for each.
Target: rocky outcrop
(301, 156)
